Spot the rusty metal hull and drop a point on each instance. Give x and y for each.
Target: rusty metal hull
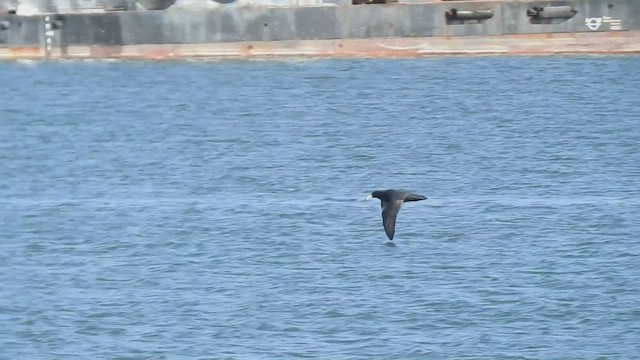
(529, 44)
(389, 30)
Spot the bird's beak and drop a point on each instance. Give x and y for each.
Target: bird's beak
(369, 197)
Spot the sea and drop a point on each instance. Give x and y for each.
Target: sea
(216, 209)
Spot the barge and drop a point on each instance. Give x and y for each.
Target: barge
(174, 29)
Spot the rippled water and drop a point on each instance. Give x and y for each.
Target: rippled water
(216, 209)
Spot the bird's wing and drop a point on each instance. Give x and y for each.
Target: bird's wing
(389, 213)
(414, 197)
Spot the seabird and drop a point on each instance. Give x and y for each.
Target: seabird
(391, 202)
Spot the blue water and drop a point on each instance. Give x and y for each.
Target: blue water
(215, 210)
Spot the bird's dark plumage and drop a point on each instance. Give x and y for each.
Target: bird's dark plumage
(391, 202)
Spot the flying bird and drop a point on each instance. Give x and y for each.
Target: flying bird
(391, 202)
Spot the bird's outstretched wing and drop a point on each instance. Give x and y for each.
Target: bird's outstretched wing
(414, 197)
(389, 213)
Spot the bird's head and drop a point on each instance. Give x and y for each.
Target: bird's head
(375, 194)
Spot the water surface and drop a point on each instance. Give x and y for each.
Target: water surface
(192, 210)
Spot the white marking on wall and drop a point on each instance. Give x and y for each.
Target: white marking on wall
(595, 23)
(614, 24)
(48, 35)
